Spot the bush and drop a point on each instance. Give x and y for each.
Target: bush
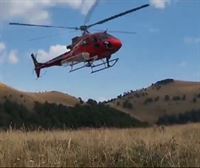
(184, 97)
(119, 97)
(164, 82)
(167, 97)
(194, 100)
(53, 116)
(191, 116)
(148, 100)
(176, 98)
(137, 95)
(91, 102)
(158, 87)
(156, 98)
(118, 103)
(198, 96)
(127, 104)
(80, 100)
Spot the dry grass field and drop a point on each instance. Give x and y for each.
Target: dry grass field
(174, 146)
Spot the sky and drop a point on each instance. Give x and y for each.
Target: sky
(166, 45)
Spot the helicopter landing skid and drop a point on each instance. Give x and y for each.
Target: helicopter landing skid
(105, 64)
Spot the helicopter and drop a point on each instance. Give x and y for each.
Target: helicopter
(86, 49)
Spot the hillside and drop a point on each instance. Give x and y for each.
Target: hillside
(54, 110)
(166, 97)
(171, 98)
(27, 98)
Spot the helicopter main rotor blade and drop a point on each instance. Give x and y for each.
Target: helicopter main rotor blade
(118, 15)
(116, 31)
(121, 32)
(89, 14)
(45, 26)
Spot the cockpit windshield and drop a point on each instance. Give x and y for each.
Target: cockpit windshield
(105, 36)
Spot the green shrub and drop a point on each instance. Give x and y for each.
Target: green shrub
(53, 116)
(176, 98)
(148, 100)
(127, 104)
(156, 98)
(167, 97)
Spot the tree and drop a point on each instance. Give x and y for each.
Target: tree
(80, 100)
(118, 103)
(184, 97)
(194, 100)
(176, 98)
(167, 98)
(156, 98)
(127, 104)
(92, 102)
(148, 100)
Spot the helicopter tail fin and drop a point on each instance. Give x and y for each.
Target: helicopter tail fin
(37, 65)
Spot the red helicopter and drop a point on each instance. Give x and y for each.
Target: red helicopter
(86, 49)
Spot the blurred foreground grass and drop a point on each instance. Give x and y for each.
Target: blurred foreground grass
(176, 146)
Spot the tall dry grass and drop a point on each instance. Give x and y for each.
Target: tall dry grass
(176, 146)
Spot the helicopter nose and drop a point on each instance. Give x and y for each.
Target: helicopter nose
(116, 43)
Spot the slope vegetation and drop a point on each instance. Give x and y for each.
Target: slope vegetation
(166, 97)
(54, 110)
(28, 99)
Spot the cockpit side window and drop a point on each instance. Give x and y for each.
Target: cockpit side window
(103, 36)
(85, 42)
(95, 40)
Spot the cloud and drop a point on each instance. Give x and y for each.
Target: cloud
(2, 52)
(37, 11)
(182, 64)
(5, 55)
(160, 4)
(2, 47)
(53, 52)
(12, 57)
(192, 40)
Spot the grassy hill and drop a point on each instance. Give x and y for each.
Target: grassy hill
(27, 98)
(54, 110)
(166, 97)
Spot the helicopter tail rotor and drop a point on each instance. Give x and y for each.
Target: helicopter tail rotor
(37, 65)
